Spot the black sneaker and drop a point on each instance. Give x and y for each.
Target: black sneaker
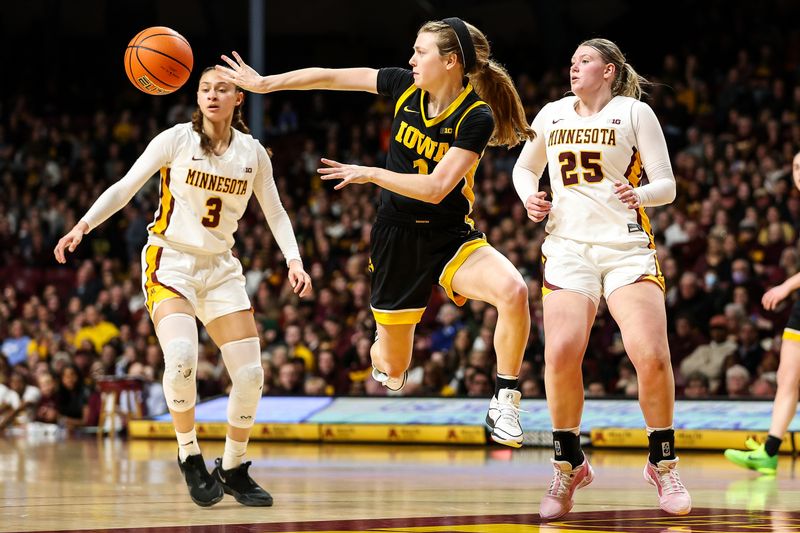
(238, 483)
(204, 490)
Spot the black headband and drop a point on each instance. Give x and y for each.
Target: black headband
(464, 42)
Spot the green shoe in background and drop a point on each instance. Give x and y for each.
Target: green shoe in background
(755, 458)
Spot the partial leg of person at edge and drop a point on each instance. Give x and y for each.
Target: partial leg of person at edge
(763, 457)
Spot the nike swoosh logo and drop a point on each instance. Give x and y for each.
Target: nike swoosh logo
(406, 108)
(197, 158)
(559, 120)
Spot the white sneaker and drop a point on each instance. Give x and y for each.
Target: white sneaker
(503, 418)
(393, 384)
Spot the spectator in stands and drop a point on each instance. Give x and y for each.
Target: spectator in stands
(697, 386)
(15, 345)
(737, 382)
(708, 359)
(95, 329)
(684, 340)
(749, 350)
(290, 380)
(595, 389)
(337, 381)
(764, 386)
(72, 398)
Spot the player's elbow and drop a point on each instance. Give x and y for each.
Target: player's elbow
(440, 187)
(673, 193)
(436, 197)
(437, 194)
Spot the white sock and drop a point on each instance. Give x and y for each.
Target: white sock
(233, 454)
(575, 431)
(187, 444)
(651, 430)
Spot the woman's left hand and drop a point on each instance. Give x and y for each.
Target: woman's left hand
(627, 195)
(300, 280)
(347, 173)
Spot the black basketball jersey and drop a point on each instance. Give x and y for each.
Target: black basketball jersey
(417, 144)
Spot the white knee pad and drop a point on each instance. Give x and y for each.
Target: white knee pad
(177, 334)
(243, 361)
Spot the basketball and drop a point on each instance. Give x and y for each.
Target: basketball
(158, 60)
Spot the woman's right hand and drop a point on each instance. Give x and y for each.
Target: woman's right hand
(538, 206)
(774, 296)
(241, 74)
(70, 241)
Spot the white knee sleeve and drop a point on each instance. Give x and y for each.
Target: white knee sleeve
(243, 361)
(177, 334)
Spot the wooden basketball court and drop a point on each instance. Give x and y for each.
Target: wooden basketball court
(98, 485)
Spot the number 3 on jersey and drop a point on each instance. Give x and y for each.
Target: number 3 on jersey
(214, 205)
(590, 163)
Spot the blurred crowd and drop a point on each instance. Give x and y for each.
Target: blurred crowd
(731, 233)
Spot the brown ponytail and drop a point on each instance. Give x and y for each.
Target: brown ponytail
(197, 121)
(491, 82)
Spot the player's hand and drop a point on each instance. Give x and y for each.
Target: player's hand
(70, 241)
(774, 296)
(627, 195)
(301, 282)
(241, 74)
(347, 173)
(538, 206)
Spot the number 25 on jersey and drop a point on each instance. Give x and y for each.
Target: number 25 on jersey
(589, 168)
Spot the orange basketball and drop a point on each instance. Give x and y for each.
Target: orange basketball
(158, 60)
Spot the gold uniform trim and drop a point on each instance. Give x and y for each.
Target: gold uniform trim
(449, 271)
(634, 174)
(790, 334)
(403, 98)
(154, 291)
(469, 177)
(402, 316)
(166, 204)
(658, 280)
(447, 112)
(464, 115)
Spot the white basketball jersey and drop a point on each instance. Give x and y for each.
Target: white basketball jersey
(585, 155)
(201, 197)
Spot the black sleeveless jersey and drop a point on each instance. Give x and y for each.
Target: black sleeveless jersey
(418, 143)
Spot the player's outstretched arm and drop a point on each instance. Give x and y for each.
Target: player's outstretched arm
(70, 241)
(345, 79)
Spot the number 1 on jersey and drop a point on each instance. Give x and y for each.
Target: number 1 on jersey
(214, 205)
(421, 165)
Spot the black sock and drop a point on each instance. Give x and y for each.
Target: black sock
(505, 383)
(567, 447)
(772, 445)
(662, 445)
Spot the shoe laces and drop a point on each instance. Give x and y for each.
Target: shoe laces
(669, 478)
(561, 482)
(509, 411)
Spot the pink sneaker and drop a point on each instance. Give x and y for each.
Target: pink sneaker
(566, 480)
(672, 495)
